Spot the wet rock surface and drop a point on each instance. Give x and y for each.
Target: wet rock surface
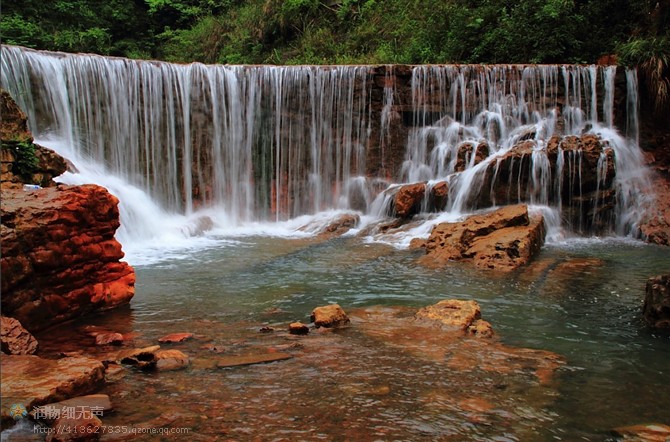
(502, 240)
(456, 314)
(656, 308)
(329, 316)
(16, 340)
(60, 259)
(32, 381)
(175, 337)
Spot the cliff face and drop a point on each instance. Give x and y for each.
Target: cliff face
(59, 259)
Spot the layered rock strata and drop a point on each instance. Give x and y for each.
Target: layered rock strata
(502, 240)
(60, 259)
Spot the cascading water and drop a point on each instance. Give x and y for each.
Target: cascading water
(516, 122)
(267, 143)
(257, 142)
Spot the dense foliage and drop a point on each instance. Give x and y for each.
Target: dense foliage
(340, 31)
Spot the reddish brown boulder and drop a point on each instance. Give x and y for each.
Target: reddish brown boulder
(458, 315)
(656, 308)
(408, 199)
(503, 240)
(465, 153)
(298, 328)
(451, 313)
(168, 360)
(336, 227)
(329, 316)
(60, 259)
(33, 381)
(16, 340)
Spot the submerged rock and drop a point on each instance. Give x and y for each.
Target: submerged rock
(16, 340)
(458, 315)
(237, 361)
(451, 313)
(329, 316)
(175, 337)
(503, 240)
(168, 360)
(656, 308)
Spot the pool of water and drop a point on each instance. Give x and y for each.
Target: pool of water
(580, 299)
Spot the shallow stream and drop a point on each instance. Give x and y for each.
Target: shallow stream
(581, 299)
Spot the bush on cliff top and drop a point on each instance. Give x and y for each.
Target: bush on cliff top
(334, 31)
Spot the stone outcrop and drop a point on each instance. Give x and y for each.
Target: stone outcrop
(32, 381)
(60, 259)
(457, 314)
(504, 239)
(656, 308)
(16, 340)
(440, 333)
(410, 199)
(655, 223)
(583, 184)
(22, 161)
(329, 316)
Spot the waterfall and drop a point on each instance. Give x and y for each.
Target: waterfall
(521, 119)
(257, 142)
(271, 143)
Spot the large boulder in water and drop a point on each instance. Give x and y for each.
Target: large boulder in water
(656, 308)
(60, 259)
(503, 240)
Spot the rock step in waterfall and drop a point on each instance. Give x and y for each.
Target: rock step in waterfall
(253, 143)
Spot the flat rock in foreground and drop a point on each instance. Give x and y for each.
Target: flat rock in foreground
(32, 381)
(502, 240)
(237, 361)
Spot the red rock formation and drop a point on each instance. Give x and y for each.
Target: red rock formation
(59, 255)
(16, 340)
(656, 308)
(408, 199)
(502, 240)
(586, 203)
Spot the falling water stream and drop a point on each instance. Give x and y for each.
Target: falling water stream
(264, 152)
